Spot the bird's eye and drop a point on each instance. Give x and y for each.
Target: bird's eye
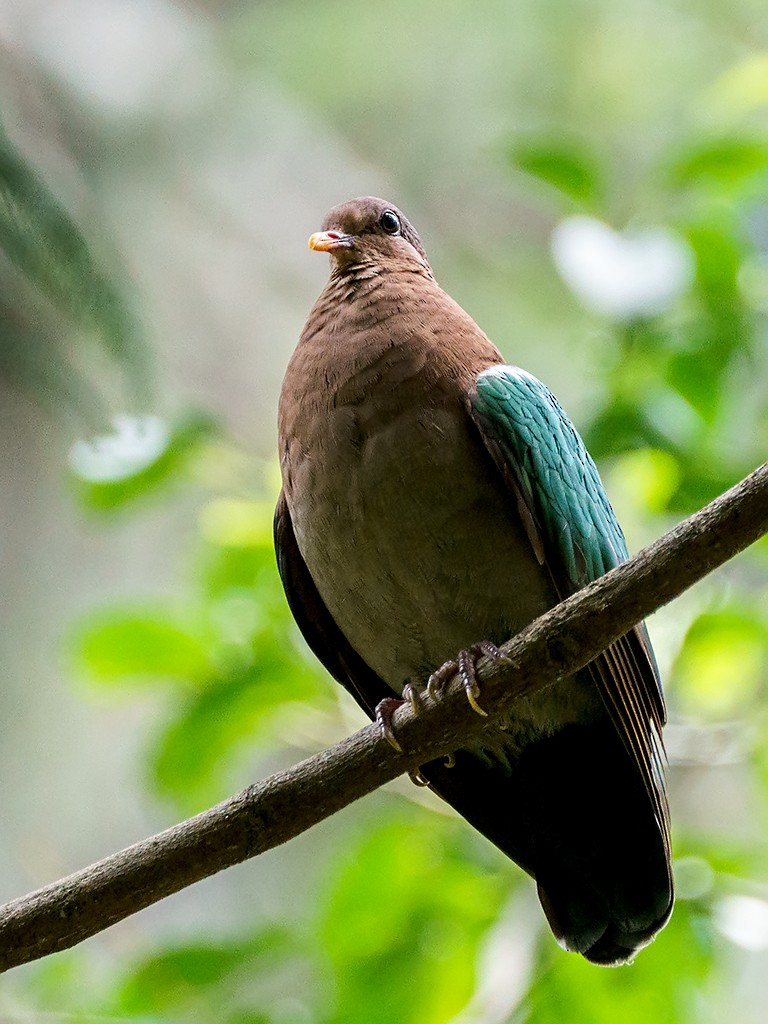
(390, 222)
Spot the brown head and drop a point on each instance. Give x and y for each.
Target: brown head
(369, 231)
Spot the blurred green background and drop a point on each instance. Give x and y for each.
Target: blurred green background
(590, 180)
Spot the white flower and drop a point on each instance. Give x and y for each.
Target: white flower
(743, 920)
(623, 276)
(136, 443)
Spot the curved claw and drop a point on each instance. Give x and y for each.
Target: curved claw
(385, 709)
(417, 778)
(466, 660)
(465, 666)
(413, 697)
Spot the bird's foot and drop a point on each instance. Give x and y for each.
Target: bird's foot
(386, 709)
(413, 697)
(465, 664)
(417, 778)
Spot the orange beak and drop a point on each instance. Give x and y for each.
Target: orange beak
(327, 241)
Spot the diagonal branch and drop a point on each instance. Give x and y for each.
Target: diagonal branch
(286, 804)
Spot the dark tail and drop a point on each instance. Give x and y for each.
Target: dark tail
(573, 812)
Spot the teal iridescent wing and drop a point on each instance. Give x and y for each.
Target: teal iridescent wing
(575, 534)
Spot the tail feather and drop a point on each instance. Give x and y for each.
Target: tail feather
(573, 811)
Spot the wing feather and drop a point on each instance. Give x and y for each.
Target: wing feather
(574, 532)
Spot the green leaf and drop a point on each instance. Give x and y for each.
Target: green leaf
(569, 168)
(238, 522)
(130, 645)
(195, 751)
(621, 425)
(697, 374)
(722, 663)
(648, 477)
(101, 494)
(663, 984)
(186, 978)
(719, 250)
(726, 162)
(701, 482)
(227, 568)
(430, 908)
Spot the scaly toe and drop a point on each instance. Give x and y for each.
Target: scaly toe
(385, 709)
(468, 676)
(493, 652)
(440, 677)
(412, 695)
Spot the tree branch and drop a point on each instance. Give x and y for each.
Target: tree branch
(286, 804)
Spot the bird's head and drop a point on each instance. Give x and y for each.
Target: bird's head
(369, 231)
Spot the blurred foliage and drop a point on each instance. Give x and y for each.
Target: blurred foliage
(569, 168)
(425, 925)
(679, 383)
(228, 657)
(664, 985)
(111, 474)
(53, 293)
(416, 918)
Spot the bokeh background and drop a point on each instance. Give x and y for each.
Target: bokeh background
(591, 182)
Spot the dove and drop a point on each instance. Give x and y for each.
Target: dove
(435, 501)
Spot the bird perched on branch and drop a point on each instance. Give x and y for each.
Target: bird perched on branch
(434, 502)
